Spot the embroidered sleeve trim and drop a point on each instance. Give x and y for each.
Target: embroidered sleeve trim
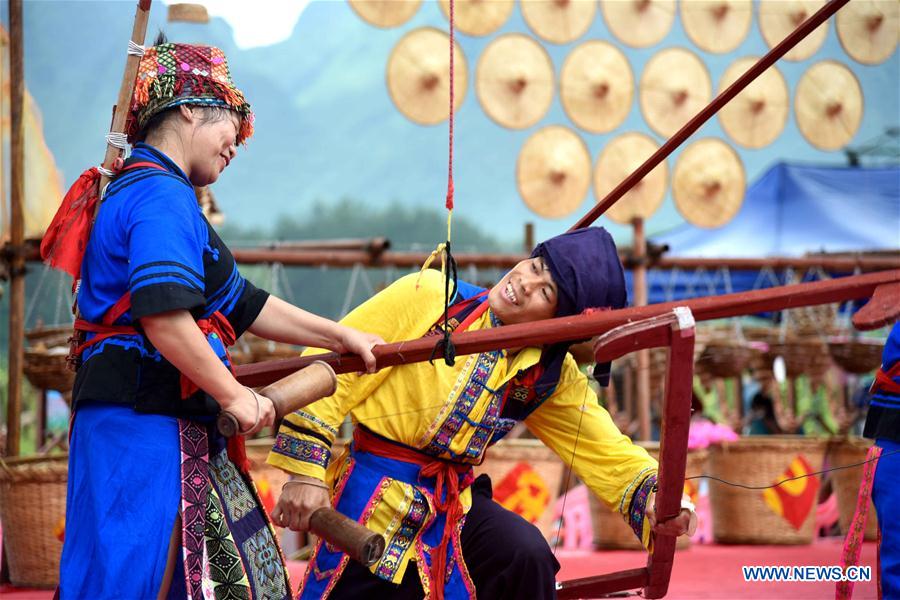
(639, 506)
(627, 495)
(316, 421)
(307, 432)
(302, 450)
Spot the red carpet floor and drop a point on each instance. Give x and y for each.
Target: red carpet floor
(701, 572)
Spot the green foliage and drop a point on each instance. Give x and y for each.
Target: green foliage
(329, 291)
(406, 227)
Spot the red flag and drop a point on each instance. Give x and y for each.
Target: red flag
(524, 492)
(794, 500)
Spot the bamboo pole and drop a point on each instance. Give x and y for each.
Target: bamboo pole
(304, 257)
(318, 256)
(126, 89)
(17, 230)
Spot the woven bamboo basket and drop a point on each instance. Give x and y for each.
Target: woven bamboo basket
(45, 358)
(813, 320)
(726, 358)
(856, 356)
(848, 451)
(802, 356)
(610, 529)
(742, 516)
(507, 455)
(33, 511)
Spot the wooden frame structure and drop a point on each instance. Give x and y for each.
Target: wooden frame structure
(658, 325)
(674, 330)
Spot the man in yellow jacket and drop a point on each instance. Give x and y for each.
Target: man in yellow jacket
(419, 428)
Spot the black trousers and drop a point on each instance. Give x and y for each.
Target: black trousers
(507, 558)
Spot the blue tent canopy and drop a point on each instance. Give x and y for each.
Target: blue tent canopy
(790, 211)
(795, 209)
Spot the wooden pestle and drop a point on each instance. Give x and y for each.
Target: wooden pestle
(359, 542)
(291, 393)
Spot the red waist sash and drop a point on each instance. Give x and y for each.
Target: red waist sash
(447, 480)
(215, 324)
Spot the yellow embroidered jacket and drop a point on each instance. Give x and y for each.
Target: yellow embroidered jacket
(456, 413)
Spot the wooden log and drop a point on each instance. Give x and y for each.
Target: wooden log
(290, 393)
(359, 542)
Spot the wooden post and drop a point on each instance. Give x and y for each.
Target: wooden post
(639, 281)
(17, 230)
(529, 238)
(4, 207)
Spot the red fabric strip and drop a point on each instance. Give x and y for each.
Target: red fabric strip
(854, 539)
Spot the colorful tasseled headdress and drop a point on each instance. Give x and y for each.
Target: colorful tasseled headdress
(173, 74)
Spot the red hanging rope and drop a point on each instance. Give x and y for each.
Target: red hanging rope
(449, 202)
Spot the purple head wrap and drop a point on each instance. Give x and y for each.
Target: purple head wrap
(587, 271)
(586, 268)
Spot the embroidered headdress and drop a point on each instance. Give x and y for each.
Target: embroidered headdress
(173, 74)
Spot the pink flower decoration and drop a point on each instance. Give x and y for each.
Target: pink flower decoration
(185, 66)
(161, 69)
(217, 60)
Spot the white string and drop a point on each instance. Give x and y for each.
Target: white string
(364, 277)
(117, 139)
(104, 171)
(34, 295)
(286, 284)
(351, 289)
(135, 49)
(61, 294)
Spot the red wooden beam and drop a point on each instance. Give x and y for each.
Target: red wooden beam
(673, 449)
(881, 310)
(712, 108)
(587, 326)
(314, 255)
(674, 330)
(601, 585)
